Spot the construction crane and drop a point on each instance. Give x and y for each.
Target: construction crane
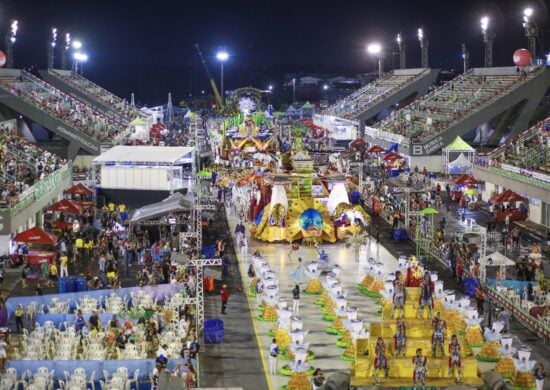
(217, 95)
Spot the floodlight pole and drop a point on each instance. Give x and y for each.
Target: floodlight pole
(402, 54)
(465, 58)
(9, 51)
(424, 45)
(488, 38)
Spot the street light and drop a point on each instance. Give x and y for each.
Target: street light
(531, 30)
(10, 39)
(222, 56)
(424, 44)
(375, 50)
(51, 48)
(488, 38)
(402, 51)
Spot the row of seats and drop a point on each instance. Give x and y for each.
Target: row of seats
(22, 164)
(365, 97)
(436, 111)
(126, 111)
(62, 106)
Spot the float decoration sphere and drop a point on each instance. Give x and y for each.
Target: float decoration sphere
(2, 59)
(522, 57)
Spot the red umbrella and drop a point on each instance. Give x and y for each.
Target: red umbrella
(376, 149)
(65, 206)
(36, 236)
(392, 156)
(508, 196)
(359, 143)
(466, 180)
(79, 189)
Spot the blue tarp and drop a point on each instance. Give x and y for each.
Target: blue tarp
(213, 331)
(209, 252)
(159, 291)
(145, 366)
(392, 148)
(517, 285)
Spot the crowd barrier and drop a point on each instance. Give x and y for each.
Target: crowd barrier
(57, 319)
(145, 366)
(159, 291)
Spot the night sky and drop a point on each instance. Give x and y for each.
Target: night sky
(147, 46)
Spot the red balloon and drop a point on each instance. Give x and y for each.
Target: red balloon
(2, 59)
(522, 57)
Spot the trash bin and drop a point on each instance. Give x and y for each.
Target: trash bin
(470, 285)
(213, 331)
(63, 284)
(80, 284)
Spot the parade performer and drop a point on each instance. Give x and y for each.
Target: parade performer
(380, 361)
(437, 318)
(426, 295)
(438, 338)
(414, 273)
(400, 337)
(454, 357)
(298, 275)
(399, 294)
(420, 367)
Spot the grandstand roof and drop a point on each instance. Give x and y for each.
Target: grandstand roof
(155, 155)
(459, 145)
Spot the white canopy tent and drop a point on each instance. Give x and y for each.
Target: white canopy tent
(466, 155)
(176, 202)
(460, 165)
(494, 260)
(146, 167)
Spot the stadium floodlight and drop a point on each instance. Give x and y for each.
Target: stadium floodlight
(13, 31)
(374, 48)
(424, 44)
(270, 88)
(54, 37)
(80, 57)
(420, 34)
(325, 87)
(531, 30)
(77, 45)
(398, 39)
(484, 23)
(222, 55)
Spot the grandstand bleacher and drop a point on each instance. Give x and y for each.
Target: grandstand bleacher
(63, 107)
(116, 107)
(361, 100)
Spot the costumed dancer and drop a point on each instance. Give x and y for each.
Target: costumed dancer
(299, 273)
(400, 337)
(454, 357)
(399, 294)
(426, 295)
(438, 338)
(420, 368)
(380, 361)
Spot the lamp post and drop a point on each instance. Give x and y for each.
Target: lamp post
(402, 51)
(424, 45)
(51, 48)
(465, 58)
(488, 38)
(375, 49)
(65, 52)
(222, 56)
(11, 37)
(531, 31)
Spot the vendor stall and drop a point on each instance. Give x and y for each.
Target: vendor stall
(494, 260)
(63, 208)
(458, 157)
(41, 245)
(81, 195)
(514, 213)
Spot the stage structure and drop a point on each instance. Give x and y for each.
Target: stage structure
(139, 175)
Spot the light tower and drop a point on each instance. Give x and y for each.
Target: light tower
(488, 38)
(11, 37)
(222, 56)
(402, 52)
(169, 109)
(465, 57)
(51, 48)
(531, 31)
(375, 49)
(65, 52)
(424, 45)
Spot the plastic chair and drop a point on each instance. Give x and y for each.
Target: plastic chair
(133, 380)
(91, 381)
